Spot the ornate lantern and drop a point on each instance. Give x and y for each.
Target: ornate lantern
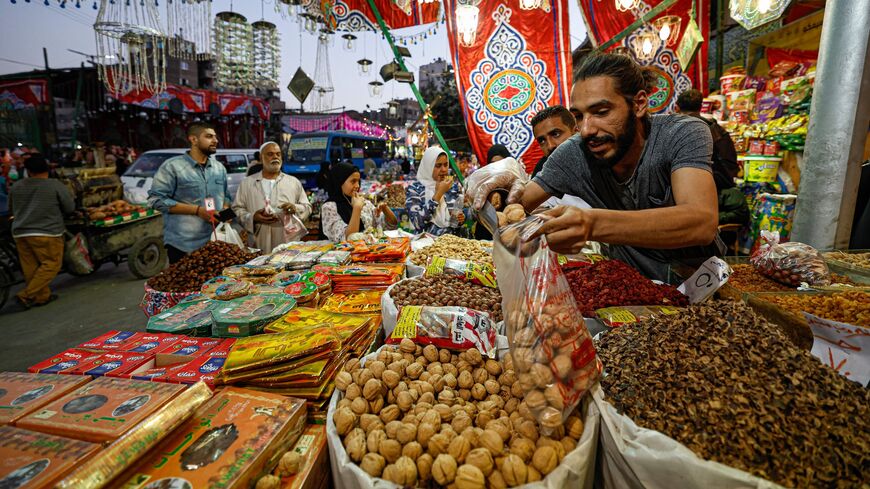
(129, 34)
(234, 50)
(668, 28)
(267, 61)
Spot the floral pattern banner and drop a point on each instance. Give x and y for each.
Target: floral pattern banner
(356, 15)
(519, 64)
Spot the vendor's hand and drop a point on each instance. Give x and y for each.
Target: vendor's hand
(261, 217)
(358, 202)
(206, 216)
(501, 181)
(567, 229)
(288, 208)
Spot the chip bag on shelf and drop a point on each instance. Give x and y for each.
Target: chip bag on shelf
(551, 347)
(790, 263)
(446, 327)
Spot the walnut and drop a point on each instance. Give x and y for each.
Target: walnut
(562, 366)
(438, 444)
(412, 450)
(459, 448)
(478, 391)
(514, 213)
(514, 471)
(554, 396)
(480, 458)
(460, 422)
(398, 367)
(444, 469)
(435, 368)
(374, 439)
(414, 370)
(425, 432)
(535, 400)
(501, 428)
(407, 469)
(545, 460)
(511, 405)
(376, 405)
(534, 475)
(450, 380)
(392, 429)
(473, 356)
(351, 365)
(523, 448)
(373, 464)
(444, 411)
(407, 346)
(574, 427)
(431, 353)
(437, 382)
(493, 367)
(343, 403)
(391, 378)
(527, 429)
(406, 433)
(353, 391)
(363, 375)
(356, 447)
(390, 413)
(523, 359)
(424, 467)
(444, 355)
(550, 418)
(492, 387)
(343, 380)
(391, 450)
(372, 389)
(465, 380)
(426, 398)
(480, 375)
(492, 441)
(359, 406)
(469, 477)
(268, 482)
(496, 480)
(404, 401)
(289, 464)
(568, 443)
(377, 368)
(345, 421)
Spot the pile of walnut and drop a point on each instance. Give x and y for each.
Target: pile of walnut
(511, 214)
(419, 416)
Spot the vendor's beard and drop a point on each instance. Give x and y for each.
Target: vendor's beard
(623, 143)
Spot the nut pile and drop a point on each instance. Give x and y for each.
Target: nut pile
(732, 388)
(421, 416)
(449, 246)
(746, 278)
(512, 214)
(396, 196)
(614, 283)
(860, 260)
(196, 268)
(448, 290)
(845, 307)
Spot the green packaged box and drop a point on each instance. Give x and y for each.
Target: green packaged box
(249, 315)
(191, 318)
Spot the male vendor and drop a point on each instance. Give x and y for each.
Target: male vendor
(648, 178)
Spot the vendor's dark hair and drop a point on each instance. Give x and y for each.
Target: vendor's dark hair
(690, 101)
(555, 111)
(628, 76)
(196, 128)
(36, 164)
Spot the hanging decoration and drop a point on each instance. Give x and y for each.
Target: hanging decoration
(755, 13)
(530, 4)
(267, 56)
(645, 43)
(234, 52)
(668, 28)
(466, 23)
(356, 15)
(349, 42)
(519, 65)
(323, 89)
(419, 37)
(131, 46)
(626, 5)
(375, 88)
(188, 26)
(365, 66)
(692, 39)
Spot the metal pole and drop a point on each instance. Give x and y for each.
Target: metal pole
(839, 117)
(76, 108)
(720, 39)
(423, 105)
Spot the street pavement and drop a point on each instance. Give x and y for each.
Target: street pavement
(86, 307)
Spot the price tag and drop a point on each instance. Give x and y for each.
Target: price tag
(843, 347)
(209, 204)
(709, 277)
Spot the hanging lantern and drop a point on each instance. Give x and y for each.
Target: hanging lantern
(324, 90)
(348, 41)
(626, 5)
(645, 44)
(375, 88)
(267, 61)
(466, 23)
(188, 29)
(393, 109)
(530, 4)
(365, 66)
(234, 51)
(668, 28)
(755, 13)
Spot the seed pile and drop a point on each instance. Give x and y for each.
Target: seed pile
(845, 307)
(196, 268)
(447, 290)
(860, 260)
(732, 388)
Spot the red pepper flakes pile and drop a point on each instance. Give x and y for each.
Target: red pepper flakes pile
(613, 283)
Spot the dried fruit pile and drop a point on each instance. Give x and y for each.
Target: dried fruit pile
(417, 416)
(196, 268)
(860, 260)
(732, 388)
(748, 279)
(614, 283)
(447, 290)
(845, 307)
(449, 246)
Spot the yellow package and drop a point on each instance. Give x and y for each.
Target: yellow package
(362, 302)
(272, 349)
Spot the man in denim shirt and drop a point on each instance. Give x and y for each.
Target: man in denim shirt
(180, 189)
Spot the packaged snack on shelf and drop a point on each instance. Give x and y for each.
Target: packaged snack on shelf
(304, 260)
(335, 257)
(283, 279)
(101, 410)
(30, 459)
(455, 328)
(363, 302)
(205, 368)
(476, 273)
(210, 286)
(622, 315)
(304, 292)
(247, 316)
(790, 263)
(153, 343)
(267, 270)
(273, 349)
(110, 463)
(65, 362)
(307, 317)
(284, 256)
(188, 318)
(194, 346)
(114, 364)
(229, 442)
(549, 342)
(113, 340)
(22, 393)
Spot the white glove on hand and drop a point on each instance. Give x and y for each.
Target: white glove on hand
(507, 174)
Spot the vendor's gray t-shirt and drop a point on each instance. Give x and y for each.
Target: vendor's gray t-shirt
(674, 142)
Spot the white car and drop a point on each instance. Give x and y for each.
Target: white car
(138, 178)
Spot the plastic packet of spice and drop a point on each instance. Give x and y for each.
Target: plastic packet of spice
(620, 316)
(445, 327)
(790, 263)
(476, 273)
(551, 347)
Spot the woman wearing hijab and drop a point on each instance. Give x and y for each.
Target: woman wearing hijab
(497, 152)
(347, 212)
(434, 201)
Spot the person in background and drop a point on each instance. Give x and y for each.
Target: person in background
(369, 166)
(552, 127)
(346, 212)
(280, 191)
(497, 152)
(256, 163)
(725, 166)
(38, 204)
(406, 166)
(180, 189)
(434, 202)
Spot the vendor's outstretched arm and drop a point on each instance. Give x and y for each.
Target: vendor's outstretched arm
(533, 196)
(692, 221)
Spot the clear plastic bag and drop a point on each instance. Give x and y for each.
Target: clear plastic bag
(790, 263)
(446, 327)
(552, 350)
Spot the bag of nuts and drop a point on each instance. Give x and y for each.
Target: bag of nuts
(790, 263)
(446, 327)
(551, 347)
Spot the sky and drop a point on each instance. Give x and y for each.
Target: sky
(30, 25)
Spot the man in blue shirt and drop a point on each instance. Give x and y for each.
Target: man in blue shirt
(181, 188)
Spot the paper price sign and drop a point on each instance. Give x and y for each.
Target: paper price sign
(209, 204)
(709, 277)
(843, 347)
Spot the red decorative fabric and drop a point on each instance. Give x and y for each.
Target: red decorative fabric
(197, 101)
(23, 94)
(356, 15)
(519, 63)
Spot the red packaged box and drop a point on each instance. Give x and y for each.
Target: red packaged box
(771, 148)
(223, 349)
(101, 410)
(756, 147)
(22, 393)
(113, 340)
(151, 343)
(205, 368)
(114, 364)
(37, 460)
(64, 362)
(193, 347)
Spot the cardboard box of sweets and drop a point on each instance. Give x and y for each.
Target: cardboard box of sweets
(65, 361)
(101, 410)
(22, 393)
(153, 343)
(112, 340)
(36, 460)
(248, 315)
(314, 471)
(229, 443)
(191, 318)
(113, 364)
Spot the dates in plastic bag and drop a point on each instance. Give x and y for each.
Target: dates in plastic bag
(790, 263)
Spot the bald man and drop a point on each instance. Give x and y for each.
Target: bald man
(268, 199)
